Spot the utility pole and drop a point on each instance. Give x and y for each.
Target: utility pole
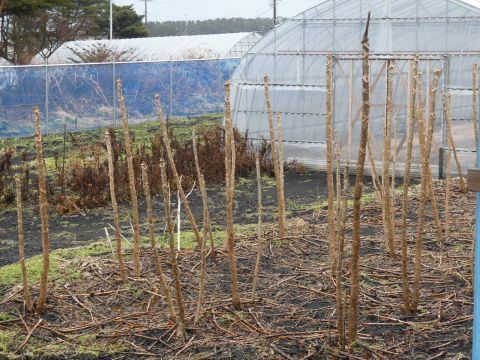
(111, 19)
(274, 13)
(146, 10)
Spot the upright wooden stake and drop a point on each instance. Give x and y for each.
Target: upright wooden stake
(330, 160)
(423, 191)
(176, 177)
(406, 182)
(355, 276)
(131, 182)
(259, 227)
(280, 200)
(21, 243)
(113, 198)
(153, 243)
(386, 196)
(230, 183)
(173, 254)
(42, 195)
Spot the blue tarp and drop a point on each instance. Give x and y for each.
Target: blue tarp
(81, 95)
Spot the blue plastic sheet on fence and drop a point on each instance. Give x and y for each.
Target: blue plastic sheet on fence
(83, 95)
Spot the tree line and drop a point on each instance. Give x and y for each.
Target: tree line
(211, 26)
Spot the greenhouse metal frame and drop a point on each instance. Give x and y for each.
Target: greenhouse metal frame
(443, 34)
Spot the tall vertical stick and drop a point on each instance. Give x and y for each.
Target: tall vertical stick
(21, 243)
(113, 198)
(280, 201)
(448, 117)
(131, 182)
(153, 243)
(423, 191)
(173, 254)
(281, 182)
(448, 187)
(230, 183)
(330, 159)
(203, 249)
(259, 227)
(406, 181)
(176, 177)
(386, 197)
(42, 195)
(206, 219)
(355, 276)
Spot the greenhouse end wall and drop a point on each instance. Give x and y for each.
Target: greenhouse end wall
(83, 96)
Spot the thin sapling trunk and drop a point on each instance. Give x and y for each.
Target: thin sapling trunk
(259, 226)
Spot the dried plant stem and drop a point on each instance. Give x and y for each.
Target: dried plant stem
(429, 140)
(281, 161)
(230, 184)
(422, 198)
(280, 200)
(173, 253)
(113, 198)
(475, 106)
(153, 243)
(21, 243)
(373, 169)
(176, 177)
(203, 249)
(412, 85)
(355, 276)
(131, 182)
(259, 227)
(448, 117)
(340, 230)
(386, 198)
(330, 160)
(448, 188)
(206, 219)
(394, 167)
(42, 195)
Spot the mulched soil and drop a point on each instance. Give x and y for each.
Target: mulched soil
(293, 316)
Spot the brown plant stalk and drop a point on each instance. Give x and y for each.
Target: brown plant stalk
(412, 85)
(280, 200)
(153, 243)
(475, 107)
(42, 195)
(113, 198)
(173, 253)
(448, 188)
(176, 177)
(206, 220)
(386, 196)
(259, 226)
(21, 243)
(281, 162)
(355, 276)
(203, 249)
(423, 195)
(131, 182)
(230, 191)
(330, 160)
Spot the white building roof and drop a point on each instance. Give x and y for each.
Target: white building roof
(162, 48)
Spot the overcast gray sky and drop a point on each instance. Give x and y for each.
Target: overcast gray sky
(161, 10)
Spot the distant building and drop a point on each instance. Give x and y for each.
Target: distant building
(214, 46)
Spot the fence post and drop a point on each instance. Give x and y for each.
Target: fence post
(114, 102)
(473, 185)
(171, 88)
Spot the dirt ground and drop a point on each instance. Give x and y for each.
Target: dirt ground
(303, 193)
(293, 315)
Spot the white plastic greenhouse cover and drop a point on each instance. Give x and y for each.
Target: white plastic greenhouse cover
(162, 48)
(445, 33)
